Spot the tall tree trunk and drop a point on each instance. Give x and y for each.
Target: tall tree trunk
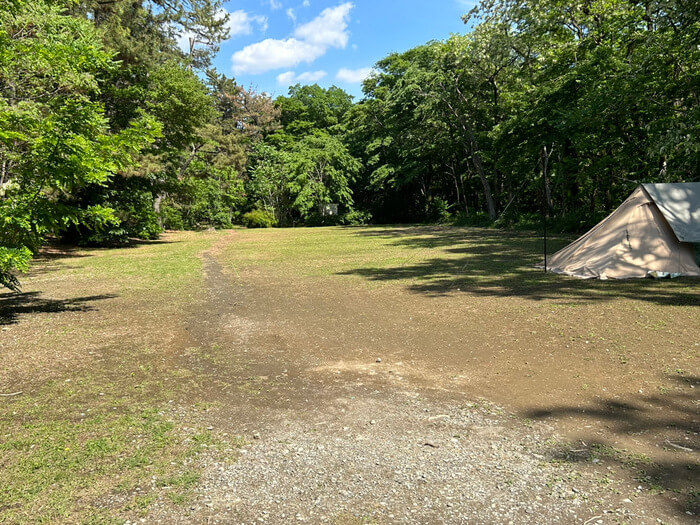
(156, 207)
(4, 177)
(453, 171)
(473, 150)
(476, 159)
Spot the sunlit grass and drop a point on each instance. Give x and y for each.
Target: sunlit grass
(100, 443)
(431, 259)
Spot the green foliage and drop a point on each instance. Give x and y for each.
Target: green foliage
(439, 210)
(12, 262)
(322, 170)
(171, 218)
(54, 138)
(544, 104)
(267, 185)
(181, 103)
(355, 218)
(259, 219)
(295, 179)
(196, 202)
(309, 108)
(307, 164)
(350, 218)
(130, 202)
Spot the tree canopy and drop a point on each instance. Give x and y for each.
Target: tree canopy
(109, 130)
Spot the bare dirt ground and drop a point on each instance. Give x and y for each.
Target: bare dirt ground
(381, 404)
(416, 375)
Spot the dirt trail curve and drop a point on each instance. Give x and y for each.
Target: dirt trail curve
(366, 444)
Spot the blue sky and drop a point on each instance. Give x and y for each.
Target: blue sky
(276, 43)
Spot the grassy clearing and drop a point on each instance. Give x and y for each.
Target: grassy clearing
(63, 465)
(107, 423)
(93, 437)
(596, 333)
(436, 260)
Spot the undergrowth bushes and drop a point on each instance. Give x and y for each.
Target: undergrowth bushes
(259, 219)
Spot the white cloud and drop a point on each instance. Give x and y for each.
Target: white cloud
(309, 42)
(274, 4)
(290, 78)
(292, 15)
(311, 76)
(329, 28)
(239, 23)
(273, 54)
(354, 76)
(306, 3)
(183, 40)
(286, 79)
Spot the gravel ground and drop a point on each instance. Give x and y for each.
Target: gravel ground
(418, 461)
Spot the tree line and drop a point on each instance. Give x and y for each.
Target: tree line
(109, 130)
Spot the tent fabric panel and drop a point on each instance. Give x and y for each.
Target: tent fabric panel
(632, 241)
(680, 204)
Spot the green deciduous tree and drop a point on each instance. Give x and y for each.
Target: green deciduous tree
(312, 107)
(54, 135)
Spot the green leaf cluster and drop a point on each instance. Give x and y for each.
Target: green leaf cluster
(54, 135)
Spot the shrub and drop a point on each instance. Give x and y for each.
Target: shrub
(475, 219)
(171, 217)
(316, 219)
(439, 211)
(355, 217)
(259, 219)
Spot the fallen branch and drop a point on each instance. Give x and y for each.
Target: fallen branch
(678, 446)
(12, 394)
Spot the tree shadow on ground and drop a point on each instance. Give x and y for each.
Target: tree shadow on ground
(499, 263)
(666, 423)
(51, 258)
(56, 249)
(14, 305)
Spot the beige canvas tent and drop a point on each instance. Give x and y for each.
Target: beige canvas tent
(655, 232)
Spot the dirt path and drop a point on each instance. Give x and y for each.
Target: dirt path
(336, 435)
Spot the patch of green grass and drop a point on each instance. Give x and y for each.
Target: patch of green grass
(142, 503)
(185, 479)
(626, 458)
(352, 519)
(98, 444)
(60, 463)
(170, 264)
(176, 498)
(604, 481)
